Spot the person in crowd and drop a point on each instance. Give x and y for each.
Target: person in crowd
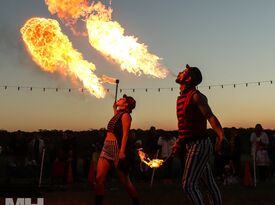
(165, 143)
(229, 174)
(114, 150)
(36, 147)
(234, 144)
(151, 143)
(271, 153)
(151, 148)
(193, 112)
(259, 144)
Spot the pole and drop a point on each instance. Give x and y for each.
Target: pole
(41, 167)
(154, 170)
(254, 168)
(117, 82)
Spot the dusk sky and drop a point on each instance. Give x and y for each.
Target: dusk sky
(230, 41)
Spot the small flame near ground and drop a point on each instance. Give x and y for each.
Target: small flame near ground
(154, 163)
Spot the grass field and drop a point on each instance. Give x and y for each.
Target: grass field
(159, 194)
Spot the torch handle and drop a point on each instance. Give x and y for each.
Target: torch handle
(117, 82)
(41, 167)
(153, 172)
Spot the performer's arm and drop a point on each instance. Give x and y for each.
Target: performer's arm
(115, 108)
(126, 124)
(201, 101)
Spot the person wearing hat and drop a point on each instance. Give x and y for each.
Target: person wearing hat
(193, 112)
(114, 149)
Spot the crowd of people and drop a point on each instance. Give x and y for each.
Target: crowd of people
(21, 154)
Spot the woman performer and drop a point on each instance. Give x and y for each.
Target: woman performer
(113, 151)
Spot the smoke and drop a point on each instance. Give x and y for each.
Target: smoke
(9, 40)
(12, 49)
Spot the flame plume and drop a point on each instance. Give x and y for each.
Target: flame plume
(53, 52)
(69, 11)
(108, 37)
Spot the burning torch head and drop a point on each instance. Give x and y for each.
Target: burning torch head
(130, 101)
(187, 72)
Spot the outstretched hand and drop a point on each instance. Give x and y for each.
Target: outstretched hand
(175, 148)
(218, 145)
(114, 105)
(122, 155)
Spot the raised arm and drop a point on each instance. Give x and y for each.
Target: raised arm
(115, 108)
(126, 124)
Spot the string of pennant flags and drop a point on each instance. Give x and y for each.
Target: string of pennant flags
(80, 89)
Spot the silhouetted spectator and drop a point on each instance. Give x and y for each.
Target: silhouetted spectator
(151, 143)
(271, 153)
(259, 143)
(165, 143)
(36, 148)
(234, 150)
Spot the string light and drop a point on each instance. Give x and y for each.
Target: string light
(31, 88)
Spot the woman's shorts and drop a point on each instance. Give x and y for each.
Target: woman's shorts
(110, 150)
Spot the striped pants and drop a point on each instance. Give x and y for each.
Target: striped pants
(197, 170)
